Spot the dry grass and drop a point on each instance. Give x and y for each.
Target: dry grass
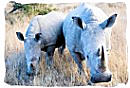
(64, 71)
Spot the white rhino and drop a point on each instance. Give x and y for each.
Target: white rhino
(87, 31)
(43, 34)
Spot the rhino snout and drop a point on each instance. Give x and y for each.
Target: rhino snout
(101, 77)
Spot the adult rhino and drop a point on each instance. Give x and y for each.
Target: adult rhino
(87, 34)
(43, 34)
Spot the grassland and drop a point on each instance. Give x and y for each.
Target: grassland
(64, 72)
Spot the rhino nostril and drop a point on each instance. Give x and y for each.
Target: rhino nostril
(31, 65)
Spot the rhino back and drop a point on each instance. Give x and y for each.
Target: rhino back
(88, 14)
(49, 25)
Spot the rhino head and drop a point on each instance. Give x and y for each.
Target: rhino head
(32, 50)
(93, 42)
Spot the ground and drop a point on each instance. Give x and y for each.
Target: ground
(64, 71)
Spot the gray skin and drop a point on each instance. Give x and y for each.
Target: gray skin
(43, 34)
(87, 35)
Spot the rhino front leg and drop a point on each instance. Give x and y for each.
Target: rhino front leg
(49, 56)
(82, 67)
(77, 60)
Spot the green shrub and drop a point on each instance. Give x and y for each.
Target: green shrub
(33, 9)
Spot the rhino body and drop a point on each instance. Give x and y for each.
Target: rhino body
(44, 33)
(50, 26)
(87, 35)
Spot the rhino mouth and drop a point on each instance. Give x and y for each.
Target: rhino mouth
(31, 73)
(101, 77)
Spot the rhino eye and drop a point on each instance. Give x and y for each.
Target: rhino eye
(108, 52)
(87, 56)
(98, 52)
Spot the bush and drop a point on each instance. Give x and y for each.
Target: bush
(32, 9)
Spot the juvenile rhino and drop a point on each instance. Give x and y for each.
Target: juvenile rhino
(87, 34)
(43, 34)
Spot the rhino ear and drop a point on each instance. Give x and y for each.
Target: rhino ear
(78, 21)
(108, 22)
(37, 37)
(20, 36)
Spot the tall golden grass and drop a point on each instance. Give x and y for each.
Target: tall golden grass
(64, 71)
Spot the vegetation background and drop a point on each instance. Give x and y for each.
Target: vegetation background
(64, 73)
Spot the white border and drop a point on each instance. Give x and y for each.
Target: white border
(2, 33)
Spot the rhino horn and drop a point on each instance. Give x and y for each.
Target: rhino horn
(102, 56)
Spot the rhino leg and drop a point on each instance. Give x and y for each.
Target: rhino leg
(77, 59)
(49, 56)
(82, 71)
(80, 59)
